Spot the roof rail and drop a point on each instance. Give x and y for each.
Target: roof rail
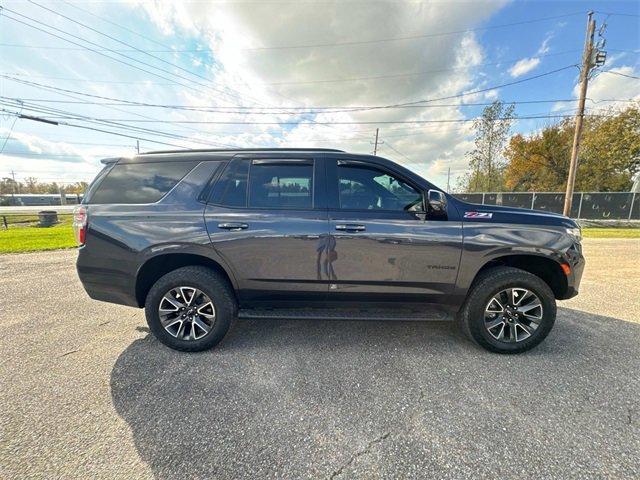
(213, 150)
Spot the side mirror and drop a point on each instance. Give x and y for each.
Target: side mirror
(437, 201)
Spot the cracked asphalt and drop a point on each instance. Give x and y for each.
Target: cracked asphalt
(86, 392)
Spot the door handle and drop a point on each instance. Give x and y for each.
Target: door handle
(233, 226)
(350, 227)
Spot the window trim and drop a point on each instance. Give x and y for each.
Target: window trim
(387, 171)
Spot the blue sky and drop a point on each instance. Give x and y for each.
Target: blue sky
(257, 64)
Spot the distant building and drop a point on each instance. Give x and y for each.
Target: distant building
(27, 199)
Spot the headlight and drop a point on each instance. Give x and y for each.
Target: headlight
(575, 233)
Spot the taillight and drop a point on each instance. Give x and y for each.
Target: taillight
(80, 224)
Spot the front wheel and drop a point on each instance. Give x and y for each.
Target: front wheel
(190, 309)
(508, 310)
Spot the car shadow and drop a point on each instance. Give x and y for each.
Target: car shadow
(300, 399)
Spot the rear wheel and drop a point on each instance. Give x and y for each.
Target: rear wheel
(508, 310)
(190, 309)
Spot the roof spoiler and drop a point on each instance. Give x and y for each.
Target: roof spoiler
(109, 161)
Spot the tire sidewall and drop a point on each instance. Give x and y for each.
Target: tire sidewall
(208, 283)
(490, 287)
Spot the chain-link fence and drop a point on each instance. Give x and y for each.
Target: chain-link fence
(586, 205)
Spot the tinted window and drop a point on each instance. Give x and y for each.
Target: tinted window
(366, 188)
(281, 185)
(231, 189)
(140, 182)
(94, 184)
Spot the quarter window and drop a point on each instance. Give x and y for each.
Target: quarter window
(367, 188)
(281, 186)
(139, 182)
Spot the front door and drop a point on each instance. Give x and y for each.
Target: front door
(266, 217)
(385, 247)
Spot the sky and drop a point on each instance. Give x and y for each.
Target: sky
(293, 73)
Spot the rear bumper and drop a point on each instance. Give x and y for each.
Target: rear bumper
(106, 284)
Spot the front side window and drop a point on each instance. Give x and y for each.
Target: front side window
(367, 188)
(284, 185)
(139, 182)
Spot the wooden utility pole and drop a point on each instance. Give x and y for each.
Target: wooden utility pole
(587, 63)
(375, 145)
(138, 146)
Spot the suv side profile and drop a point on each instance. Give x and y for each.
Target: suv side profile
(201, 237)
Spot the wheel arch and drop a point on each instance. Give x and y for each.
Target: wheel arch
(547, 269)
(159, 265)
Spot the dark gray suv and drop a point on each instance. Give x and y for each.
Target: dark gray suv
(201, 237)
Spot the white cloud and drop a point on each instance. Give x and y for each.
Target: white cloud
(523, 66)
(242, 34)
(607, 86)
(244, 73)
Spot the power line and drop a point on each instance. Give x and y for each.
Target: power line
(126, 56)
(303, 110)
(66, 94)
(130, 128)
(111, 132)
(376, 107)
(85, 41)
(411, 37)
(372, 122)
(111, 37)
(48, 139)
(621, 74)
(134, 32)
(313, 82)
(617, 14)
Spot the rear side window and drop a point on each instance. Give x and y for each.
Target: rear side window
(231, 189)
(140, 182)
(281, 186)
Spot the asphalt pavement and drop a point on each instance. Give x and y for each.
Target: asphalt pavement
(86, 392)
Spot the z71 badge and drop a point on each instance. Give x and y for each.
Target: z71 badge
(478, 215)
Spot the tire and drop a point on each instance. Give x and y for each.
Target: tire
(475, 319)
(218, 317)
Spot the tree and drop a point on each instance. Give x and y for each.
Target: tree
(539, 162)
(609, 154)
(485, 160)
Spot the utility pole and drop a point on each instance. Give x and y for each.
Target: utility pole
(13, 193)
(138, 146)
(587, 64)
(448, 178)
(375, 145)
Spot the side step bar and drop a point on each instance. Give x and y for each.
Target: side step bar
(377, 314)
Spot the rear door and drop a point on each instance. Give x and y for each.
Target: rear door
(267, 218)
(385, 247)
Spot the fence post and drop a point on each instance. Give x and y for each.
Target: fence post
(4, 220)
(580, 205)
(633, 199)
(533, 200)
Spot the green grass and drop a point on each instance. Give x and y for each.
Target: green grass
(31, 238)
(612, 232)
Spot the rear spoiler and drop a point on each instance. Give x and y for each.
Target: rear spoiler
(110, 161)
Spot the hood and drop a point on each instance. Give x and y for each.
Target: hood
(500, 214)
